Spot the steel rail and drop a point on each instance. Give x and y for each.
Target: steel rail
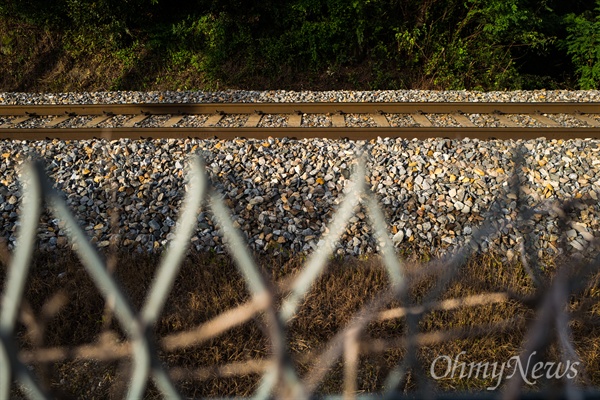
(338, 130)
(309, 108)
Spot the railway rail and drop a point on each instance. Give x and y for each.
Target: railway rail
(356, 121)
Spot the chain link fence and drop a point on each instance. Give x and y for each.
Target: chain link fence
(550, 323)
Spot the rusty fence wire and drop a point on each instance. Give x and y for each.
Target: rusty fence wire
(279, 377)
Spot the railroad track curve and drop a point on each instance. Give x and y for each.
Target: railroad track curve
(355, 121)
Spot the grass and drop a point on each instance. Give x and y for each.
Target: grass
(71, 312)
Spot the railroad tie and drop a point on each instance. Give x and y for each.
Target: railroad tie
(504, 120)
(253, 120)
(135, 120)
(463, 120)
(213, 120)
(97, 121)
(15, 121)
(338, 120)
(586, 118)
(171, 122)
(57, 121)
(422, 120)
(545, 120)
(295, 120)
(381, 120)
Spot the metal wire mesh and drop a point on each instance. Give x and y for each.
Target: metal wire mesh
(280, 378)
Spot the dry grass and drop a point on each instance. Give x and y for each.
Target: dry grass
(71, 312)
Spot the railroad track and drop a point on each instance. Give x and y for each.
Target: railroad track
(357, 121)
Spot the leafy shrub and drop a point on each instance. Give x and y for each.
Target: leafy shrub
(583, 45)
(469, 44)
(449, 44)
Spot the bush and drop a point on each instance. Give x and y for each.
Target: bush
(469, 44)
(583, 45)
(443, 44)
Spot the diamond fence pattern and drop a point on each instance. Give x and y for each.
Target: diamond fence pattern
(280, 379)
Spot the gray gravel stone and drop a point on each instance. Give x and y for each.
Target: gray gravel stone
(282, 193)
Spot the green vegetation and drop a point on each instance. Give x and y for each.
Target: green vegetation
(295, 44)
(583, 44)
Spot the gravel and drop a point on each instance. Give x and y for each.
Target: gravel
(282, 96)
(282, 193)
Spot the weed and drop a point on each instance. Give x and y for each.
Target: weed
(209, 284)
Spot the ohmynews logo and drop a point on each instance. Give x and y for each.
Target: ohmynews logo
(529, 372)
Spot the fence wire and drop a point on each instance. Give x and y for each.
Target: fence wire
(280, 377)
